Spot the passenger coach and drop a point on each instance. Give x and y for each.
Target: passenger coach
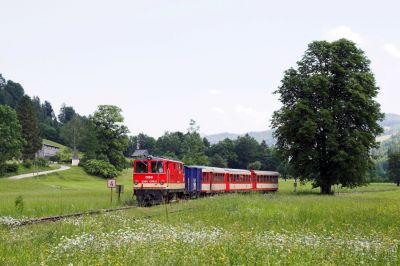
(159, 180)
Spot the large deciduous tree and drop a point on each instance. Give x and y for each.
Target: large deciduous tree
(329, 118)
(111, 133)
(30, 130)
(11, 140)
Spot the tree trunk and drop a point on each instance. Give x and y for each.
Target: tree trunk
(398, 183)
(326, 189)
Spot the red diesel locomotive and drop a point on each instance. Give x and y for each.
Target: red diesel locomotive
(159, 180)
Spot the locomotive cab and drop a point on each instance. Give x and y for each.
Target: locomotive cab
(157, 180)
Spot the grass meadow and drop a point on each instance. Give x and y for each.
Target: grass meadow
(354, 227)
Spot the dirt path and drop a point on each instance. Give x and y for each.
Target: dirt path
(62, 168)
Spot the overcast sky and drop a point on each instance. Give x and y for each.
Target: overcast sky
(165, 62)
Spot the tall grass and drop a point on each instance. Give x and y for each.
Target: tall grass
(353, 228)
(60, 193)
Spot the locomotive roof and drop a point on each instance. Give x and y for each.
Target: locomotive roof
(266, 173)
(153, 158)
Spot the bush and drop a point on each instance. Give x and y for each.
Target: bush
(41, 162)
(100, 168)
(65, 155)
(128, 164)
(27, 163)
(55, 158)
(11, 168)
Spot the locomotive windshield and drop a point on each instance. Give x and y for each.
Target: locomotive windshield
(141, 167)
(157, 167)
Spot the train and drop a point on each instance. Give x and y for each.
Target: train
(159, 180)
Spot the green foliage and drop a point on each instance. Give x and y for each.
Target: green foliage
(394, 166)
(254, 166)
(100, 168)
(248, 150)
(19, 204)
(27, 163)
(8, 168)
(11, 167)
(67, 113)
(10, 92)
(194, 149)
(225, 149)
(145, 143)
(73, 131)
(11, 141)
(41, 162)
(329, 118)
(30, 130)
(218, 161)
(171, 143)
(48, 125)
(111, 134)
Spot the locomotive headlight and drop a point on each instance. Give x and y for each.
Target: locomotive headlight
(162, 182)
(136, 182)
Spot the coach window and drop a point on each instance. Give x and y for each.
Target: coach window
(141, 167)
(157, 167)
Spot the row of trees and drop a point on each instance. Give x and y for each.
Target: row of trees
(24, 121)
(244, 152)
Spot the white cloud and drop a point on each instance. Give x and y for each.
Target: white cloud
(244, 110)
(214, 92)
(392, 49)
(344, 32)
(218, 110)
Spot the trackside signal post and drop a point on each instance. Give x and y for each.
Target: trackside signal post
(111, 183)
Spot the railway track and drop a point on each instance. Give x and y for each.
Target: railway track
(101, 211)
(73, 215)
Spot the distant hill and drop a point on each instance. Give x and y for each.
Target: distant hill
(258, 135)
(391, 124)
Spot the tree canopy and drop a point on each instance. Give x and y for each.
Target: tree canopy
(394, 166)
(10, 92)
(11, 141)
(111, 133)
(30, 130)
(329, 118)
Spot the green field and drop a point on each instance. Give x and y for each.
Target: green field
(60, 193)
(354, 227)
(24, 170)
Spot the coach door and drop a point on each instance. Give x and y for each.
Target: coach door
(169, 172)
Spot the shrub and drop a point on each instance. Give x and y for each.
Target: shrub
(128, 164)
(11, 167)
(19, 204)
(55, 158)
(27, 163)
(41, 162)
(100, 168)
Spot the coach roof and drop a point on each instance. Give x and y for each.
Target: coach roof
(266, 173)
